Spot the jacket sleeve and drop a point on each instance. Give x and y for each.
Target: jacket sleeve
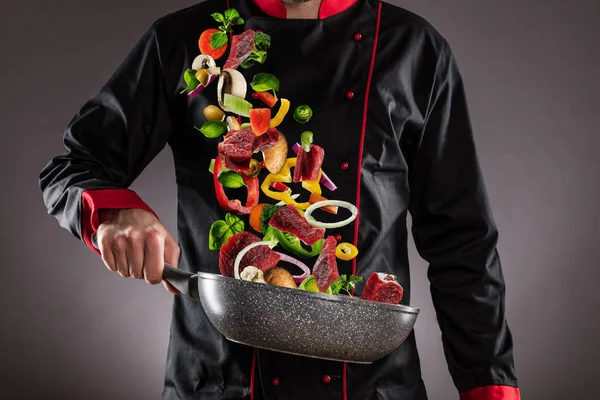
(454, 231)
(109, 142)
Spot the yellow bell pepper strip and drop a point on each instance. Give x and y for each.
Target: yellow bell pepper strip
(283, 176)
(346, 251)
(314, 186)
(284, 107)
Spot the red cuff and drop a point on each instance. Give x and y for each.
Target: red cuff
(94, 200)
(495, 392)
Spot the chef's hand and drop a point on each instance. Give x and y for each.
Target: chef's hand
(135, 243)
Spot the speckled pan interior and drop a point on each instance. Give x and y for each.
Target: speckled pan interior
(339, 328)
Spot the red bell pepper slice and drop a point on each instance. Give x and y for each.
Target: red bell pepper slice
(279, 186)
(235, 205)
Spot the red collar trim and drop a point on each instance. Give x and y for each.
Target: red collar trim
(275, 8)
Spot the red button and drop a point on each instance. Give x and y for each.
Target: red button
(275, 381)
(357, 36)
(349, 95)
(344, 165)
(326, 378)
(338, 237)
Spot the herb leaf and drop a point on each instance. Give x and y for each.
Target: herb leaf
(231, 179)
(213, 129)
(219, 17)
(221, 231)
(237, 21)
(264, 82)
(265, 216)
(345, 284)
(211, 167)
(190, 79)
(218, 39)
(231, 13)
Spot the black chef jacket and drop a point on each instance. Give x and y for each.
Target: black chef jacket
(390, 112)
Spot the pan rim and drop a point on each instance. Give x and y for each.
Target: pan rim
(401, 308)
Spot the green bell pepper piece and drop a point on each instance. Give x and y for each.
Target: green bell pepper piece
(292, 243)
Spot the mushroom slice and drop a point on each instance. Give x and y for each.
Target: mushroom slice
(231, 82)
(276, 155)
(232, 124)
(203, 61)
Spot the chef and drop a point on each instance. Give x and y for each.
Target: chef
(389, 110)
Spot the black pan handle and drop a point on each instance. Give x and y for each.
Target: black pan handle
(185, 282)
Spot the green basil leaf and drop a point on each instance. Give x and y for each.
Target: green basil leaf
(237, 21)
(190, 79)
(213, 129)
(263, 82)
(218, 17)
(231, 179)
(231, 13)
(218, 235)
(218, 39)
(236, 225)
(221, 231)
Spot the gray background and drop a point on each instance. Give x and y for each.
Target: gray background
(70, 329)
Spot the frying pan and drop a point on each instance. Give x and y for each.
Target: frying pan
(294, 321)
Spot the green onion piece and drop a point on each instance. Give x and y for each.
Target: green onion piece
(237, 105)
(245, 125)
(306, 138)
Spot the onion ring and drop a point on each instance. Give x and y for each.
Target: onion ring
(242, 253)
(344, 204)
(298, 263)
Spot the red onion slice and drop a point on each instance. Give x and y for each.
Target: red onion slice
(299, 264)
(325, 180)
(201, 87)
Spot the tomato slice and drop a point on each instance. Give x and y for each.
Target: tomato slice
(259, 120)
(204, 45)
(267, 98)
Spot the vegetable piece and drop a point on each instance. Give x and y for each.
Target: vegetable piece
(235, 205)
(204, 61)
(201, 87)
(294, 196)
(221, 231)
(346, 251)
(266, 98)
(283, 176)
(344, 284)
(326, 225)
(325, 180)
(203, 76)
(245, 125)
(211, 167)
(233, 123)
(292, 244)
(259, 120)
(231, 82)
(242, 253)
(231, 179)
(315, 198)
(267, 212)
(255, 216)
(306, 138)
(262, 42)
(276, 155)
(264, 82)
(254, 168)
(205, 41)
(213, 129)
(303, 114)
(313, 186)
(278, 276)
(189, 76)
(310, 285)
(284, 107)
(298, 263)
(214, 113)
(236, 105)
(252, 274)
(279, 186)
